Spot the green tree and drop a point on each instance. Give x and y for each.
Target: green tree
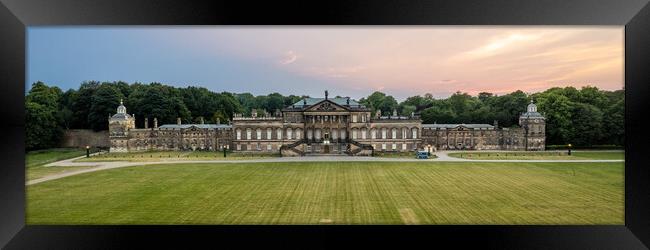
(42, 124)
(614, 124)
(587, 123)
(557, 109)
(82, 103)
(104, 101)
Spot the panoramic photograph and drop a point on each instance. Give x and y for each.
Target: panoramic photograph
(325, 125)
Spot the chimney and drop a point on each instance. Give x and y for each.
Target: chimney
(155, 122)
(178, 120)
(146, 122)
(201, 120)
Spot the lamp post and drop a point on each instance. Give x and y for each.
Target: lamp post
(569, 147)
(429, 150)
(224, 151)
(87, 151)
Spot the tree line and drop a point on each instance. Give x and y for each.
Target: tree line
(583, 117)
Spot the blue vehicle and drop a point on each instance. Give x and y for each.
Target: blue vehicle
(422, 155)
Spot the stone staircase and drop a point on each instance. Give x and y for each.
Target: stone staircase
(358, 148)
(291, 150)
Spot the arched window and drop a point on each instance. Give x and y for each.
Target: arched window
(383, 133)
(238, 134)
(248, 134)
(278, 133)
(414, 132)
(334, 134)
(373, 133)
(289, 133)
(269, 133)
(317, 135)
(354, 134)
(343, 135)
(310, 134)
(298, 134)
(364, 133)
(394, 133)
(259, 134)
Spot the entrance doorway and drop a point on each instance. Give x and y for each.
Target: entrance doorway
(326, 149)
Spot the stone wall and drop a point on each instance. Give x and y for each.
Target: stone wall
(79, 138)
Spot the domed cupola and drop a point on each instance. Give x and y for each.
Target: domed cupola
(122, 110)
(531, 111)
(532, 107)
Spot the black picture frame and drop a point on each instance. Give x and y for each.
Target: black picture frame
(16, 15)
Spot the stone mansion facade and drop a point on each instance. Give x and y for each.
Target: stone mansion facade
(325, 126)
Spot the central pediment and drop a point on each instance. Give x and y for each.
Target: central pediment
(326, 105)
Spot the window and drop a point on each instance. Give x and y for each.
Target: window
(268, 147)
(404, 146)
(394, 133)
(383, 133)
(373, 133)
(298, 133)
(289, 133)
(343, 134)
(383, 146)
(248, 134)
(310, 134)
(279, 134)
(354, 134)
(317, 134)
(259, 148)
(394, 146)
(269, 133)
(238, 134)
(354, 118)
(404, 133)
(259, 134)
(239, 147)
(415, 133)
(363, 133)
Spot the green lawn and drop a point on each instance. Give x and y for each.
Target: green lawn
(42, 171)
(547, 155)
(42, 157)
(175, 156)
(36, 159)
(335, 193)
(405, 155)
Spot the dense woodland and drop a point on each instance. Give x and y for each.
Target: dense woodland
(582, 117)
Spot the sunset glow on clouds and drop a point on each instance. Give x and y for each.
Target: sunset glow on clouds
(349, 61)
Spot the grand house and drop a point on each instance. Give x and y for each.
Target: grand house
(325, 126)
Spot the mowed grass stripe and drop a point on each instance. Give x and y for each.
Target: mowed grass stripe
(335, 193)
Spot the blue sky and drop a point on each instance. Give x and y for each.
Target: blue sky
(350, 61)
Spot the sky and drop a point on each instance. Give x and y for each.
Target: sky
(352, 61)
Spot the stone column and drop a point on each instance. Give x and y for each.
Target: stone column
(155, 122)
(146, 122)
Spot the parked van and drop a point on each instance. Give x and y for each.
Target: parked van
(422, 155)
